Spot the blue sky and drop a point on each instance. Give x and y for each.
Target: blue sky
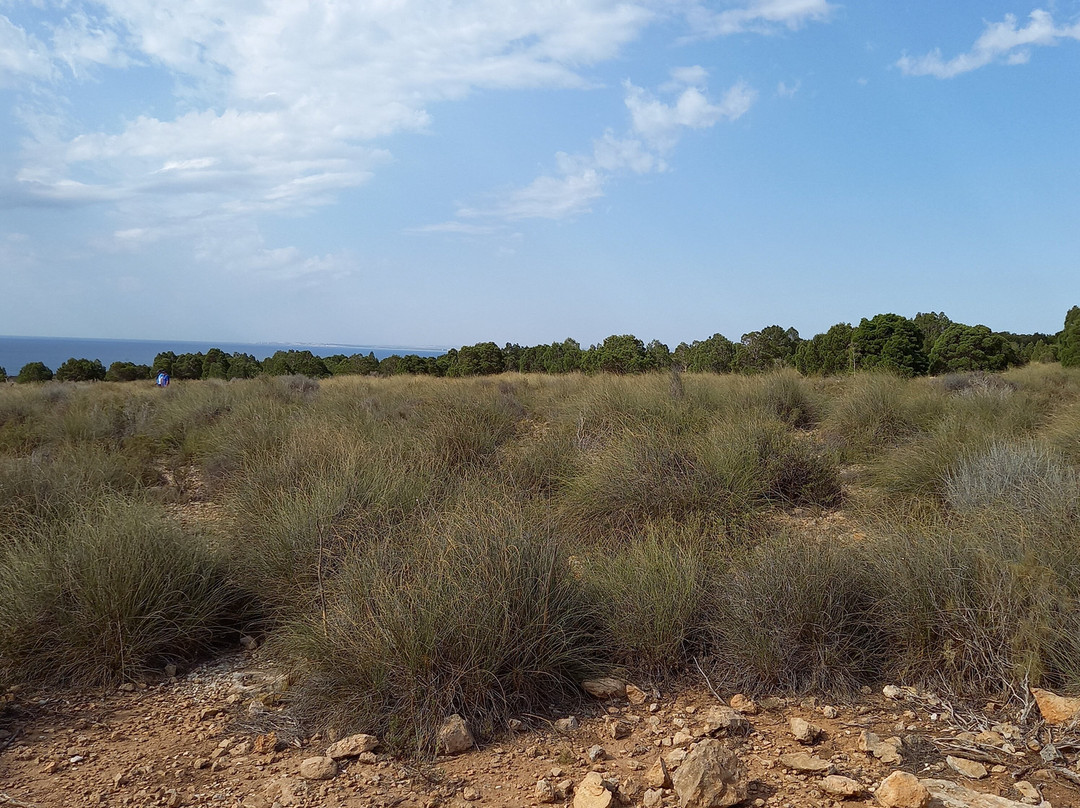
(420, 173)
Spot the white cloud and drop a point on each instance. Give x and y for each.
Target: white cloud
(655, 128)
(783, 90)
(1000, 41)
(285, 100)
(22, 56)
(759, 16)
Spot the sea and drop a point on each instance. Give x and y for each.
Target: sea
(15, 352)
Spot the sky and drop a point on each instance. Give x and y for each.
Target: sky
(445, 172)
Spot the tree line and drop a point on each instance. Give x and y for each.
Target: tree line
(930, 342)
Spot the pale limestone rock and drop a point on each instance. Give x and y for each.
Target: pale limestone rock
(840, 786)
(653, 798)
(681, 739)
(947, 794)
(545, 792)
(353, 746)
(968, 768)
(318, 768)
(711, 777)
(806, 763)
(803, 731)
(892, 692)
(727, 720)
(902, 790)
(887, 751)
(605, 687)
(470, 794)
(592, 792)
(630, 791)
(1056, 709)
(658, 776)
(454, 736)
(635, 694)
(1028, 793)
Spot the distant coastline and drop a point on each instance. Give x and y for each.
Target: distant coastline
(54, 351)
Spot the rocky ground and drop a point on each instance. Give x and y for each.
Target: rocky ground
(217, 735)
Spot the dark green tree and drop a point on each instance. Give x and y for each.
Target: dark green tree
(826, 354)
(356, 364)
(34, 372)
(3, 374)
(713, 355)
(657, 355)
(215, 364)
(890, 342)
(482, 359)
(127, 372)
(770, 348)
(619, 353)
(81, 370)
(512, 353)
(971, 347)
(1068, 344)
(1042, 351)
(932, 324)
(243, 366)
(187, 366)
(163, 362)
(305, 363)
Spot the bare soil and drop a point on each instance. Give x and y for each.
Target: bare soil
(219, 736)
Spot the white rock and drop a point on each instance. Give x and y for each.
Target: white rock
(968, 768)
(454, 737)
(892, 692)
(318, 768)
(605, 687)
(592, 792)
(711, 777)
(902, 790)
(803, 731)
(840, 786)
(353, 746)
(953, 795)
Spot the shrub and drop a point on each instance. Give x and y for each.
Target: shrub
(649, 593)
(1024, 476)
(763, 461)
(107, 595)
(477, 614)
(980, 603)
(872, 412)
(792, 613)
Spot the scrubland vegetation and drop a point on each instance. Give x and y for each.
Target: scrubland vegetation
(416, 546)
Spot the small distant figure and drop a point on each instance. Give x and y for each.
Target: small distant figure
(162, 379)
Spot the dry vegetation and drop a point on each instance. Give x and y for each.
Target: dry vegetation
(416, 547)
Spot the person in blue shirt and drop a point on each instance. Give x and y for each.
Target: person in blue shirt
(162, 379)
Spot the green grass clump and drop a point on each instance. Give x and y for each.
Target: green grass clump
(981, 603)
(792, 614)
(108, 595)
(477, 614)
(649, 592)
(871, 413)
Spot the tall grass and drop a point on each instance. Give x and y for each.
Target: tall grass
(109, 594)
(425, 546)
(477, 614)
(650, 592)
(793, 614)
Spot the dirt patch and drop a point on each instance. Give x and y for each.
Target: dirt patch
(219, 736)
